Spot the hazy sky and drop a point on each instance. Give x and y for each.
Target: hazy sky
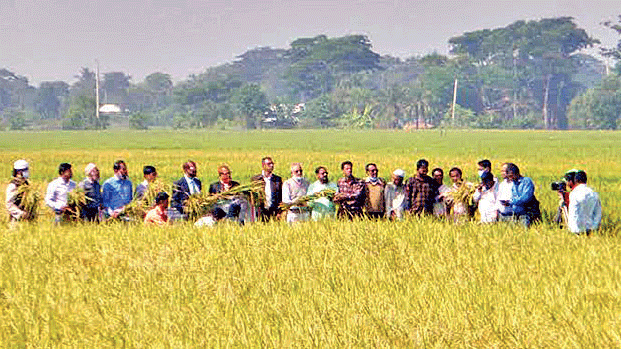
(50, 40)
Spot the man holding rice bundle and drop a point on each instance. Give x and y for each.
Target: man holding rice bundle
(150, 175)
(57, 193)
(185, 186)
(14, 204)
(269, 206)
(293, 189)
(92, 189)
(230, 208)
(322, 207)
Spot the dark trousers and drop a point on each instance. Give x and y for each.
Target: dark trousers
(267, 214)
(375, 215)
(349, 212)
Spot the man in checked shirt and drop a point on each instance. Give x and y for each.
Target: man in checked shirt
(420, 190)
(351, 193)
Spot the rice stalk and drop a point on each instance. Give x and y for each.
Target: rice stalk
(199, 205)
(303, 200)
(138, 208)
(463, 194)
(76, 201)
(29, 198)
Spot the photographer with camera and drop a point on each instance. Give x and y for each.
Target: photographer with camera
(584, 208)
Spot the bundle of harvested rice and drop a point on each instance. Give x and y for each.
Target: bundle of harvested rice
(303, 201)
(463, 194)
(199, 205)
(29, 198)
(76, 201)
(138, 208)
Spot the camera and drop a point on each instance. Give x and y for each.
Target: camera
(559, 186)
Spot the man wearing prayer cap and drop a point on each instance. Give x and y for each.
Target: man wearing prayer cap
(394, 195)
(92, 189)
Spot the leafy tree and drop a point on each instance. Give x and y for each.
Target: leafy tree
(115, 86)
(252, 103)
(614, 52)
(318, 63)
(16, 119)
(538, 56)
(15, 91)
(81, 115)
(598, 108)
(139, 121)
(50, 97)
(85, 84)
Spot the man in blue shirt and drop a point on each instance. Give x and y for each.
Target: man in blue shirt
(523, 203)
(117, 190)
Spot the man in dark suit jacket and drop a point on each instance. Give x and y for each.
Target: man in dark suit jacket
(232, 208)
(273, 185)
(225, 183)
(185, 186)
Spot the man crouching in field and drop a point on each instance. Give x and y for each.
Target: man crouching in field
(157, 215)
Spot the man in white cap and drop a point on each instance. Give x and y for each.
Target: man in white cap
(57, 191)
(92, 190)
(394, 195)
(13, 202)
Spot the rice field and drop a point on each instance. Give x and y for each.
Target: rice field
(413, 283)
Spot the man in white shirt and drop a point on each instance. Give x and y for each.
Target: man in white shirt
(485, 197)
(505, 191)
(322, 207)
(394, 195)
(584, 212)
(58, 190)
(269, 207)
(293, 189)
(150, 175)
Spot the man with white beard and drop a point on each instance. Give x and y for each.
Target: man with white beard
(293, 189)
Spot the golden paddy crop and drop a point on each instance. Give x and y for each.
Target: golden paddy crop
(419, 282)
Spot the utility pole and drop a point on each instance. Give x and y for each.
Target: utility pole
(454, 100)
(97, 89)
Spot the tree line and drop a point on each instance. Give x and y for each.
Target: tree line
(529, 74)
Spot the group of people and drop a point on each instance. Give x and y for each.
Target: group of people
(510, 198)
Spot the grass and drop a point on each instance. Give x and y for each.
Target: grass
(334, 284)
